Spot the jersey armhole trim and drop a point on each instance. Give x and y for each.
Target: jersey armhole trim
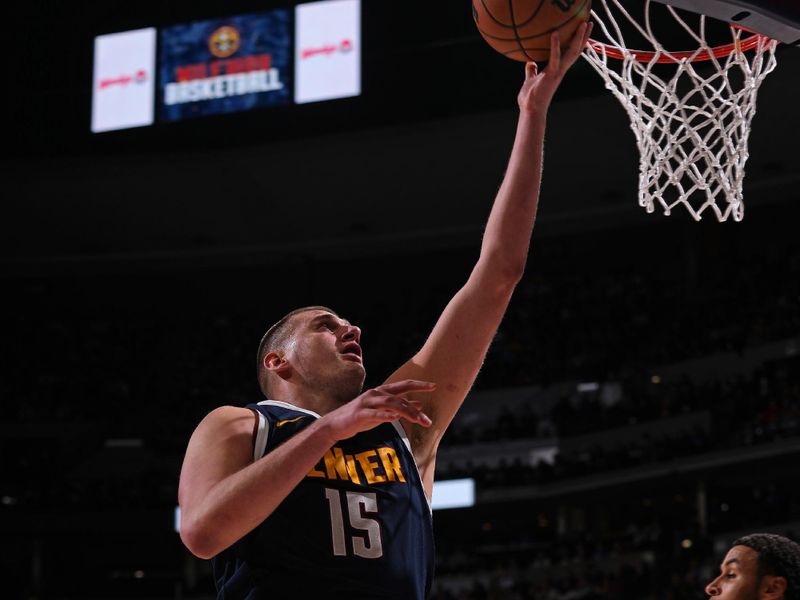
(404, 436)
(287, 405)
(261, 435)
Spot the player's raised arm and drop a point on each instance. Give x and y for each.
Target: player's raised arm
(453, 353)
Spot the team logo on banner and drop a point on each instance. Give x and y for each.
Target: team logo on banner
(224, 42)
(223, 66)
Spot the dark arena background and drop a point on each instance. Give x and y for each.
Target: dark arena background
(638, 410)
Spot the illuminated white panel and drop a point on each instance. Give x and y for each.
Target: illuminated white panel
(456, 493)
(124, 80)
(327, 50)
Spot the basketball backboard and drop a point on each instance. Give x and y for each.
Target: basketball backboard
(777, 19)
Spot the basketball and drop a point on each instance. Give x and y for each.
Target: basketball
(520, 29)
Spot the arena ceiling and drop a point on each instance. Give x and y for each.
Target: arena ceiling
(414, 162)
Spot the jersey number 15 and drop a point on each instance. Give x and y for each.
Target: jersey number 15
(357, 506)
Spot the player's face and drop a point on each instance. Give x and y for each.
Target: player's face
(738, 578)
(327, 354)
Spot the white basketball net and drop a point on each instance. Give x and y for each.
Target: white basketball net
(691, 129)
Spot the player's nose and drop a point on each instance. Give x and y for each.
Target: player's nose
(712, 589)
(352, 334)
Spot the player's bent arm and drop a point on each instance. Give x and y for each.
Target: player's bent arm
(223, 494)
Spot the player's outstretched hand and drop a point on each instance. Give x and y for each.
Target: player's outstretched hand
(539, 87)
(382, 404)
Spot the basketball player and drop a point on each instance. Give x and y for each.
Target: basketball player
(760, 566)
(323, 490)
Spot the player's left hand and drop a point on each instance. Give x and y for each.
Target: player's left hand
(539, 87)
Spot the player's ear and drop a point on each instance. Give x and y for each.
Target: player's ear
(773, 587)
(274, 363)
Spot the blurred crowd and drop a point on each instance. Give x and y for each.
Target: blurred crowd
(734, 414)
(99, 401)
(651, 548)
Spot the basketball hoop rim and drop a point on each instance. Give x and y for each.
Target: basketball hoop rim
(647, 56)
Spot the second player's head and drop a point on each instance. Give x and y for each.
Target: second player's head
(760, 566)
(314, 349)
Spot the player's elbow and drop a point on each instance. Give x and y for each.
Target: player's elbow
(511, 273)
(503, 267)
(504, 273)
(199, 539)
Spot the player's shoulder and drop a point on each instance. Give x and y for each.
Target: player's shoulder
(230, 419)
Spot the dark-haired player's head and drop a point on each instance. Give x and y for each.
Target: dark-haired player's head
(314, 349)
(760, 566)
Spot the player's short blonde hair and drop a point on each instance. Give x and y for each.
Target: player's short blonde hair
(275, 339)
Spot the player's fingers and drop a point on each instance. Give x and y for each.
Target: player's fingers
(400, 403)
(386, 415)
(555, 52)
(395, 415)
(406, 409)
(583, 36)
(418, 406)
(531, 69)
(388, 401)
(405, 386)
(586, 37)
(578, 43)
(423, 420)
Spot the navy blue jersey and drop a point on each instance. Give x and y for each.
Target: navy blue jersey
(357, 526)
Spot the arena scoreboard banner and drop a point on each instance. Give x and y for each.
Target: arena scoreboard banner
(327, 53)
(225, 65)
(124, 80)
(278, 57)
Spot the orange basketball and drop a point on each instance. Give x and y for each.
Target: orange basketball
(520, 29)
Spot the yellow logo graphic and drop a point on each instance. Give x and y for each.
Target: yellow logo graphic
(282, 423)
(224, 42)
